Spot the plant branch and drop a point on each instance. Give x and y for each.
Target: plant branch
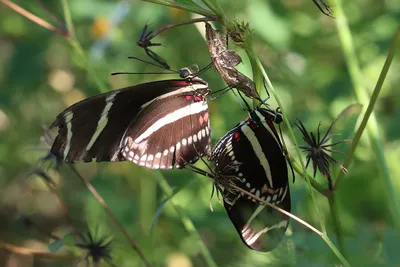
(77, 46)
(257, 75)
(309, 226)
(37, 253)
(336, 222)
(369, 121)
(170, 26)
(49, 13)
(213, 8)
(265, 203)
(317, 186)
(35, 18)
(62, 205)
(291, 134)
(113, 217)
(187, 223)
(193, 9)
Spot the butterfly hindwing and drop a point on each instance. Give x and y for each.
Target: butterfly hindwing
(261, 228)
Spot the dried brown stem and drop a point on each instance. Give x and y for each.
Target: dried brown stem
(265, 203)
(49, 13)
(34, 18)
(37, 253)
(170, 26)
(113, 217)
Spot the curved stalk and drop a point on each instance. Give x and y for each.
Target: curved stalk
(369, 121)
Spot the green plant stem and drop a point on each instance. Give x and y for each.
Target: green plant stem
(37, 254)
(112, 216)
(39, 21)
(291, 134)
(102, 88)
(369, 121)
(214, 8)
(317, 186)
(174, 25)
(197, 10)
(336, 222)
(187, 223)
(309, 226)
(258, 80)
(147, 202)
(307, 178)
(221, 13)
(77, 46)
(335, 250)
(210, 6)
(257, 75)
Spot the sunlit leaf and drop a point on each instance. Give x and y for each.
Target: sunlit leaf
(161, 207)
(68, 240)
(56, 245)
(345, 124)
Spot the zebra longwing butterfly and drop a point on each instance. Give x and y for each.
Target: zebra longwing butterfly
(225, 61)
(251, 157)
(159, 125)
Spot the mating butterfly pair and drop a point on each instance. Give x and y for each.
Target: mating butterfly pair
(166, 123)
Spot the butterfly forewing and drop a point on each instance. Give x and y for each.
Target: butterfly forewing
(251, 156)
(99, 126)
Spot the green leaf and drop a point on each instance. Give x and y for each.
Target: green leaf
(188, 3)
(279, 34)
(161, 207)
(345, 124)
(55, 246)
(68, 240)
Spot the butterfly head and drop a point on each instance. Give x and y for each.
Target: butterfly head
(189, 72)
(266, 114)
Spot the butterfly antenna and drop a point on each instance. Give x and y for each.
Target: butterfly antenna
(147, 62)
(123, 72)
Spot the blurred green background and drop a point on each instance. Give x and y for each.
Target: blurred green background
(41, 74)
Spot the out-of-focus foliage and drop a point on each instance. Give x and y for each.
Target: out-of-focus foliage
(41, 74)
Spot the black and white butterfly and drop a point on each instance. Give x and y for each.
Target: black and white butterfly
(251, 157)
(159, 125)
